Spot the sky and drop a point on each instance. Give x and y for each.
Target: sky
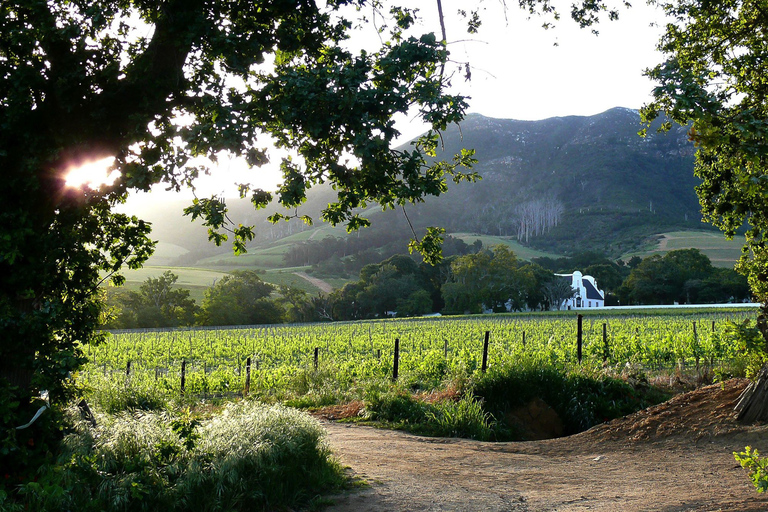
(520, 71)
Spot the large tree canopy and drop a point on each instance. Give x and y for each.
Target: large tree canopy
(715, 78)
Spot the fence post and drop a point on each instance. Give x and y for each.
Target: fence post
(183, 375)
(605, 342)
(247, 377)
(579, 319)
(396, 364)
(317, 352)
(485, 351)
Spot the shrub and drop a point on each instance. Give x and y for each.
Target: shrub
(250, 457)
(463, 418)
(112, 396)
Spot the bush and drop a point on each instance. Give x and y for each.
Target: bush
(250, 457)
(581, 398)
(112, 396)
(464, 418)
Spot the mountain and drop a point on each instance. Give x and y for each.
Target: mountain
(562, 185)
(574, 183)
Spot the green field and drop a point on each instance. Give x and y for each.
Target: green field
(722, 252)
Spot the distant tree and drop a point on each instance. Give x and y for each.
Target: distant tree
(487, 279)
(297, 304)
(157, 304)
(240, 298)
(417, 303)
(608, 276)
(536, 278)
(557, 291)
(683, 276)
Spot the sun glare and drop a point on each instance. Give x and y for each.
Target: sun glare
(92, 174)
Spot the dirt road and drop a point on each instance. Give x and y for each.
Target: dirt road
(675, 457)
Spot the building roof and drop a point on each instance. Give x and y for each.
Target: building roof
(592, 292)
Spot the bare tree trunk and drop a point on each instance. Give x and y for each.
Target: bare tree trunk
(752, 405)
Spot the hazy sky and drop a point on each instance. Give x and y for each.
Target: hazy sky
(519, 73)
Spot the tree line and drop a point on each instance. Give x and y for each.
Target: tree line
(484, 280)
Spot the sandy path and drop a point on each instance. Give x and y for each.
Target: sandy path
(319, 283)
(674, 457)
(408, 472)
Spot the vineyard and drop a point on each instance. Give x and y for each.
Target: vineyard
(277, 361)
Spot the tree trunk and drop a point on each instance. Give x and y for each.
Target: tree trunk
(752, 404)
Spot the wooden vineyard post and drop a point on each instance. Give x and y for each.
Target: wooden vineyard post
(579, 320)
(445, 348)
(183, 375)
(247, 377)
(523, 339)
(378, 354)
(694, 329)
(128, 369)
(485, 351)
(713, 326)
(396, 361)
(317, 353)
(605, 342)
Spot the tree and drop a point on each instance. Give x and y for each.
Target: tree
(715, 80)
(557, 291)
(678, 276)
(240, 298)
(488, 279)
(157, 304)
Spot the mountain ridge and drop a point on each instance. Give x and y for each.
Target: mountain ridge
(563, 185)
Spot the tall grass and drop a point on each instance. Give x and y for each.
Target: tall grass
(250, 457)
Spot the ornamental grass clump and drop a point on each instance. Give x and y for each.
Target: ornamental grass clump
(250, 457)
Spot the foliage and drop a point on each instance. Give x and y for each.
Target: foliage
(489, 279)
(240, 298)
(580, 398)
(684, 276)
(758, 468)
(159, 87)
(156, 304)
(750, 343)
(113, 395)
(463, 418)
(715, 81)
(248, 457)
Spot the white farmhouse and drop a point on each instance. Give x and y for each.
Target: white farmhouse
(586, 293)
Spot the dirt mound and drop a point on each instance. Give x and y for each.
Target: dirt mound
(704, 413)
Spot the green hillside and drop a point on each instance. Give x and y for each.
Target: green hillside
(723, 253)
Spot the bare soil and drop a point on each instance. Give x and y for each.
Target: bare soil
(677, 456)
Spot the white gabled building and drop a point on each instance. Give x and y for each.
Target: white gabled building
(587, 294)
